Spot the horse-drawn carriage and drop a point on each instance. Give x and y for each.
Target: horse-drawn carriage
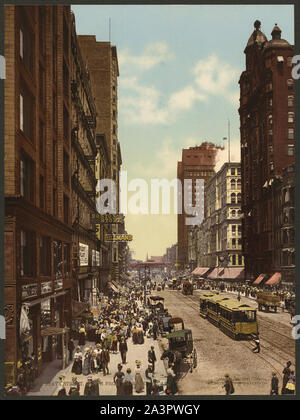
(181, 347)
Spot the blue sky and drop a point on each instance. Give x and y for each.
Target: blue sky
(178, 86)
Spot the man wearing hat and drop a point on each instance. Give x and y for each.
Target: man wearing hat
(229, 388)
(152, 358)
(274, 384)
(123, 350)
(148, 379)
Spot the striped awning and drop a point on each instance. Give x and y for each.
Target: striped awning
(221, 273)
(275, 279)
(113, 287)
(259, 279)
(200, 271)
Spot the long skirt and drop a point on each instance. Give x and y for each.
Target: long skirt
(86, 369)
(127, 388)
(77, 367)
(114, 346)
(135, 338)
(139, 383)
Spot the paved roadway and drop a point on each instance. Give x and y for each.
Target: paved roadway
(219, 354)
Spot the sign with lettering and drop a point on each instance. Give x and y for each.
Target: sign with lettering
(107, 218)
(118, 237)
(83, 254)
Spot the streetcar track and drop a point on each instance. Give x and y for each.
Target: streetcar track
(247, 345)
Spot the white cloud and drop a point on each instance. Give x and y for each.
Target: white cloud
(216, 77)
(153, 54)
(184, 99)
(142, 104)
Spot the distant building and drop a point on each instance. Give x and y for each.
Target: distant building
(102, 62)
(218, 240)
(267, 141)
(197, 163)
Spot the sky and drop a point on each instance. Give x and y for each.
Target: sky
(178, 87)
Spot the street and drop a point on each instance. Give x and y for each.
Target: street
(219, 354)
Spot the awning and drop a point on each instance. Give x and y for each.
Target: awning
(53, 331)
(43, 299)
(222, 273)
(259, 279)
(78, 308)
(199, 271)
(113, 287)
(275, 279)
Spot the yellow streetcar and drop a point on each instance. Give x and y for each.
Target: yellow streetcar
(236, 319)
(203, 303)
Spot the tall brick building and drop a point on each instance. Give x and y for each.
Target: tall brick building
(267, 141)
(102, 62)
(38, 232)
(86, 248)
(197, 163)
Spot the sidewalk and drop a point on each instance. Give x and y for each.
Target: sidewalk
(107, 386)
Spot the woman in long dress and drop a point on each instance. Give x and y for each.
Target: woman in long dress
(139, 383)
(77, 365)
(82, 334)
(128, 383)
(86, 368)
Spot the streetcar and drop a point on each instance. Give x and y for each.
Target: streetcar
(236, 319)
(187, 288)
(203, 303)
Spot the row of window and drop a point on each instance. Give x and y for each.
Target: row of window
(50, 251)
(27, 184)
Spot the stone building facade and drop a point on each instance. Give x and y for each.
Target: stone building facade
(86, 248)
(197, 163)
(38, 228)
(218, 240)
(102, 62)
(267, 141)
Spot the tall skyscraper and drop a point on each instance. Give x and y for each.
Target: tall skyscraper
(267, 140)
(197, 163)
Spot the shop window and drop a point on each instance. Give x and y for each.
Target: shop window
(45, 256)
(26, 112)
(27, 177)
(27, 253)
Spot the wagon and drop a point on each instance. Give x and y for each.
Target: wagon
(181, 343)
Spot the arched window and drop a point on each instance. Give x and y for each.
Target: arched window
(233, 198)
(232, 184)
(233, 213)
(239, 197)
